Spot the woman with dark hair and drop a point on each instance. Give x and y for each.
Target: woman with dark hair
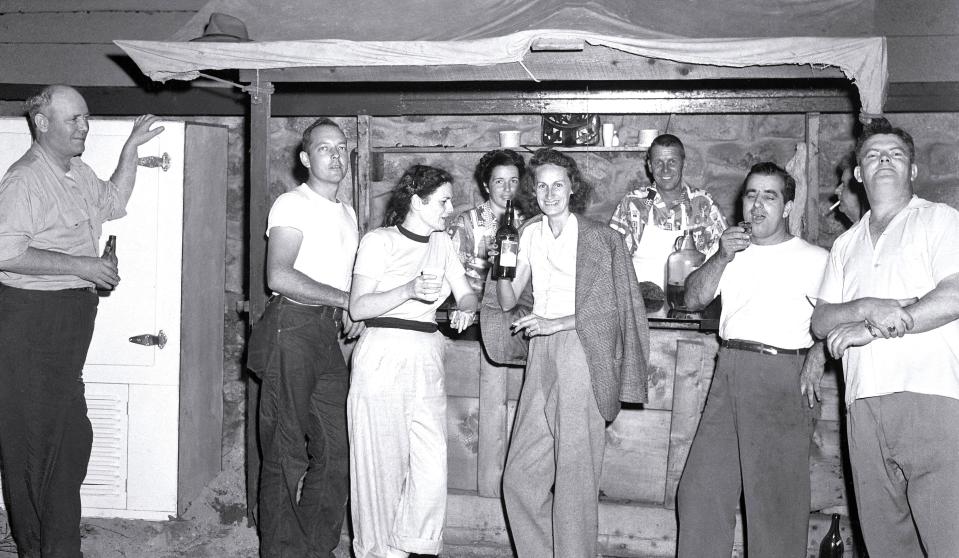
(397, 402)
(589, 342)
(473, 231)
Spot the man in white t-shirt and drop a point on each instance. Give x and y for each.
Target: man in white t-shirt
(756, 430)
(294, 348)
(888, 307)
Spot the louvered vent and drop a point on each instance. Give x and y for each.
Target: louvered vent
(106, 483)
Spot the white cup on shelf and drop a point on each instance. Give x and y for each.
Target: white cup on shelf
(647, 136)
(608, 129)
(509, 138)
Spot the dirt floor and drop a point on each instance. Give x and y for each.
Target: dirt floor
(213, 527)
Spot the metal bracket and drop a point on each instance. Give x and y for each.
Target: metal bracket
(152, 162)
(148, 340)
(257, 90)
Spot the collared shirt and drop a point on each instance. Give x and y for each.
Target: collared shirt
(44, 208)
(694, 210)
(552, 261)
(918, 249)
(473, 233)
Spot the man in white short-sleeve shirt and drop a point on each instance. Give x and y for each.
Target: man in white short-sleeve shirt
(888, 306)
(294, 348)
(756, 430)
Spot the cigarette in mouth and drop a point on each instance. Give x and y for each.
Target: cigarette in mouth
(834, 206)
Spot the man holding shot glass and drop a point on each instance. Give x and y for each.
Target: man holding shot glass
(756, 429)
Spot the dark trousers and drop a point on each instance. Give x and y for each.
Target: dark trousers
(305, 474)
(753, 440)
(45, 436)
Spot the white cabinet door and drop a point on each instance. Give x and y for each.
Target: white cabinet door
(147, 300)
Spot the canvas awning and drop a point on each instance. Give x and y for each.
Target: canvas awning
(374, 33)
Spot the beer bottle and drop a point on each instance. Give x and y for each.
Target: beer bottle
(110, 247)
(507, 239)
(109, 252)
(831, 546)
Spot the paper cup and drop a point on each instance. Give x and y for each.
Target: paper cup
(509, 138)
(608, 130)
(647, 136)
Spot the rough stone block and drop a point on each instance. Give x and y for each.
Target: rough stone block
(780, 126)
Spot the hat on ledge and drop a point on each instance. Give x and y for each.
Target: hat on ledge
(223, 28)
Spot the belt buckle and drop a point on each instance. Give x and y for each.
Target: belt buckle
(767, 350)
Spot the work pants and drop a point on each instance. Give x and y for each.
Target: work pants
(904, 451)
(397, 418)
(753, 440)
(304, 475)
(551, 481)
(45, 435)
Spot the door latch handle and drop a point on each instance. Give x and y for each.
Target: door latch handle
(152, 161)
(150, 340)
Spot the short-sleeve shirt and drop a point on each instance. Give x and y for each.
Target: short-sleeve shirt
(695, 210)
(330, 235)
(393, 259)
(552, 262)
(42, 207)
(765, 290)
(918, 249)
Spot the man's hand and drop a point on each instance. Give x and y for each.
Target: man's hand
(809, 382)
(351, 329)
(141, 132)
(101, 271)
(733, 240)
(889, 316)
(852, 334)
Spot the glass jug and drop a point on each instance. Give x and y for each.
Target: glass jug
(684, 260)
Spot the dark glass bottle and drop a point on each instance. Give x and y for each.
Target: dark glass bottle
(831, 545)
(111, 247)
(109, 252)
(507, 242)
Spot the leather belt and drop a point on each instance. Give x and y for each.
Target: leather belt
(322, 311)
(763, 348)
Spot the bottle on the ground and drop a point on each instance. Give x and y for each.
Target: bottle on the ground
(831, 545)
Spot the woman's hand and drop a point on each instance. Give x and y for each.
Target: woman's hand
(425, 287)
(461, 319)
(534, 326)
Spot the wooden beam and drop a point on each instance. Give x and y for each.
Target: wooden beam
(191, 99)
(812, 178)
(593, 63)
(259, 197)
(101, 5)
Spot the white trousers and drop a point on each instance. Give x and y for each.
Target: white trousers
(397, 425)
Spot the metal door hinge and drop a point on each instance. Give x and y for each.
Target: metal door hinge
(150, 340)
(152, 161)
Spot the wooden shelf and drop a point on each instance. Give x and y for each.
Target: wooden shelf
(529, 148)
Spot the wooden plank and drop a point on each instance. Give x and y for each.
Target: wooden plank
(202, 302)
(826, 474)
(917, 58)
(362, 202)
(930, 17)
(634, 467)
(462, 442)
(84, 27)
(811, 199)
(462, 365)
(259, 200)
(593, 63)
(693, 377)
(493, 427)
(31, 6)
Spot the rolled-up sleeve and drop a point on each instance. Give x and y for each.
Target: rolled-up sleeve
(18, 220)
